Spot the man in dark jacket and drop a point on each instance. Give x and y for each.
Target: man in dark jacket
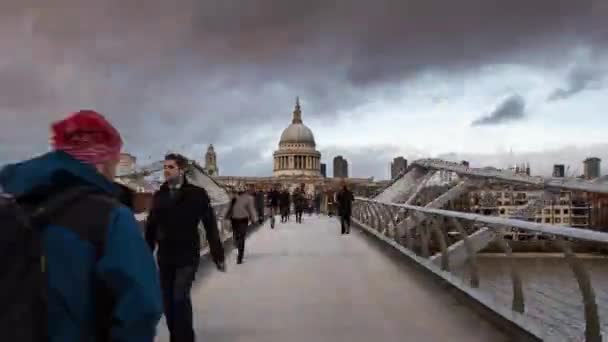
(177, 209)
(273, 198)
(344, 202)
(299, 201)
(259, 205)
(285, 203)
(86, 152)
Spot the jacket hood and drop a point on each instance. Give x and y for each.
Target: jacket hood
(51, 170)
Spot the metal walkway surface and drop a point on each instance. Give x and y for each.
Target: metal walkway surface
(307, 282)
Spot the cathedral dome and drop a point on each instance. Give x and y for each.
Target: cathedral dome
(297, 133)
(297, 155)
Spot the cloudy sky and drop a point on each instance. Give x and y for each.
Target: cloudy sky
(460, 79)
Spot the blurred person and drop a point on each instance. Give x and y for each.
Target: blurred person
(96, 277)
(177, 209)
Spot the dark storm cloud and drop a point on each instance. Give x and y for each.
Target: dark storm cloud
(187, 71)
(511, 109)
(579, 79)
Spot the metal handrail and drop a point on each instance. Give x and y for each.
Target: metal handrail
(570, 183)
(564, 231)
(387, 222)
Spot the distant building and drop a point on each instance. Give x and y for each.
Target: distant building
(324, 170)
(340, 167)
(521, 169)
(211, 162)
(564, 208)
(592, 168)
(398, 166)
(559, 171)
(126, 164)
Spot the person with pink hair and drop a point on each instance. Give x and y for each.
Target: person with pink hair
(100, 279)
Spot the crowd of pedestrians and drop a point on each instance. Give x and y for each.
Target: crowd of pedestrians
(73, 258)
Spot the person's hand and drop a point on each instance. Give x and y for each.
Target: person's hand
(221, 266)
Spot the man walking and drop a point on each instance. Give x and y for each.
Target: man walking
(99, 278)
(259, 205)
(177, 209)
(241, 212)
(344, 201)
(298, 203)
(274, 199)
(284, 203)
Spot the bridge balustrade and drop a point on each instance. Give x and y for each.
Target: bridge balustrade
(390, 222)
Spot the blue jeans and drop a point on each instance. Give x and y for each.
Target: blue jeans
(176, 283)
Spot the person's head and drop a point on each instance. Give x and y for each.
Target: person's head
(174, 166)
(88, 137)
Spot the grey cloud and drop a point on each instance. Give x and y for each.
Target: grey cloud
(511, 109)
(186, 71)
(579, 79)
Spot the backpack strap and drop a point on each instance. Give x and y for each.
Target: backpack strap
(82, 209)
(87, 213)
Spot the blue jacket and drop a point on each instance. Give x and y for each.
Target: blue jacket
(127, 267)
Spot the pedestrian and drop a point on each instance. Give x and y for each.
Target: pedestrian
(285, 203)
(241, 212)
(298, 203)
(274, 197)
(259, 205)
(318, 204)
(96, 277)
(344, 202)
(177, 209)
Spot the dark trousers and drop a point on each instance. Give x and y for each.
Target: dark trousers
(239, 231)
(284, 214)
(176, 283)
(345, 223)
(299, 212)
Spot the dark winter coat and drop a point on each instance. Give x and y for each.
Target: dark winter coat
(344, 201)
(126, 267)
(173, 225)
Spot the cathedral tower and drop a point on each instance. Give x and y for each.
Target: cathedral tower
(211, 162)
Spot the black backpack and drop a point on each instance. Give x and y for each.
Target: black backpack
(23, 280)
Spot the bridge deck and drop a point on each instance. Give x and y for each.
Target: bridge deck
(306, 282)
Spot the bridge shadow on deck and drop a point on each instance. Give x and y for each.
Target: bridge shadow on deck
(306, 282)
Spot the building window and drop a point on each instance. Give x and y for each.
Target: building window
(566, 220)
(558, 220)
(566, 211)
(547, 220)
(539, 220)
(547, 211)
(502, 211)
(557, 211)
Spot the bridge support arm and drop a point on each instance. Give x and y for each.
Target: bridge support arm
(439, 202)
(402, 189)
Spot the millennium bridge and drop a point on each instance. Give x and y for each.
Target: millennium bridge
(406, 272)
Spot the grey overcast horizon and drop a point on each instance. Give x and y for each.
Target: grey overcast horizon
(467, 79)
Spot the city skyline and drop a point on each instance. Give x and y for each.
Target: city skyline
(169, 75)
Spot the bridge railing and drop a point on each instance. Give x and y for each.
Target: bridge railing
(416, 231)
(222, 224)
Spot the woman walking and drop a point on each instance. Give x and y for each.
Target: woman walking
(241, 212)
